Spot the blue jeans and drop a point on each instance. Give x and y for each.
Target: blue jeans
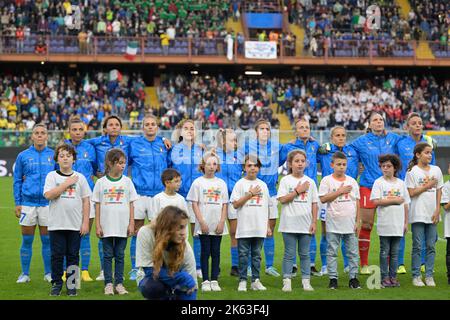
(248, 246)
(210, 247)
(351, 246)
(291, 240)
(389, 251)
(420, 231)
(114, 247)
(63, 244)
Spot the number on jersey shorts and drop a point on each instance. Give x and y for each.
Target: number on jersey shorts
(191, 212)
(273, 208)
(143, 208)
(232, 212)
(364, 201)
(31, 216)
(322, 211)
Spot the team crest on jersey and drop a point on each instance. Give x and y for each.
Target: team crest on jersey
(85, 154)
(49, 159)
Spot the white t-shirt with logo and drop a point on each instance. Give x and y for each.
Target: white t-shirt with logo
(341, 213)
(423, 205)
(253, 216)
(66, 212)
(162, 200)
(211, 195)
(114, 198)
(390, 219)
(296, 216)
(444, 200)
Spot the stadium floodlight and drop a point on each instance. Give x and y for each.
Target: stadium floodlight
(253, 73)
(194, 72)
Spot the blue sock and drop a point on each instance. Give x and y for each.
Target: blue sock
(234, 257)
(401, 252)
(133, 252)
(85, 251)
(100, 252)
(323, 250)
(269, 251)
(26, 251)
(197, 252)
(312, 250)
(424, 251)
(46, 253)
(344, 254)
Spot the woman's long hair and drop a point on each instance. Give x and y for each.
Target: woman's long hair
(164, 226)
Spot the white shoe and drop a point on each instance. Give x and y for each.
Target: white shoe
(199, 274)
(48, 277)
(206, 286)
(417, 282)
(258, 286)
(242, 285)
(307, 285)
(101, 276)
(23, 278)
(429, 281)
(287, 287)
(324, 271)
(215, 286)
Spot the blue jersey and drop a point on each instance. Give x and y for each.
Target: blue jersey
(148, 160)
(230, 168)
(369, 148)
(86, 162)
(102, 145)
(405, 149)
(186, 161)
(311, 148)
(271, 157)
(352, 160)
(30, 171)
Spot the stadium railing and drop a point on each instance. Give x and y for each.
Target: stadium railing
(10, 138)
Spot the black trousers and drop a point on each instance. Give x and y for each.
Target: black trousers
(64, 243)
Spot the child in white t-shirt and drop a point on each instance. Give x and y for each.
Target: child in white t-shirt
(390, 195)
(341, 193)
(251, 199)
(114, 195)
(424, 183)
(299, 205)
(445, 201)
(209, 197)
(68, 220)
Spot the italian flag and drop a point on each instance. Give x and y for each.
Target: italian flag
(9, 94)
(115, 75)
(131, 52)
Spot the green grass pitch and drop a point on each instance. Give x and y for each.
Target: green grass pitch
(38, 289)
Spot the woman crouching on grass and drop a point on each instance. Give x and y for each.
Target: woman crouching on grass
(166, 258)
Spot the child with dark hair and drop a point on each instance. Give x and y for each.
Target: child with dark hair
(391, 197)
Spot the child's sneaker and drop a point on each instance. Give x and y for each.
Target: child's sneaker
(215, 286)
(23, 278)
(395, 282)
(324, 271)
(307, 285)
(199, 273)
(48, 277)
(417, 282)
(85, 276)
(386, 283)
(120, 289)
(333, 285)
(56, 290)
(364, 270)
(354, 284)
(258, 286)
(287, 287)
(72, 292)
(271, 271)
(242, 285)
(101, 276)
(109, 289)
(206, 286)
(314, 271)
(234, 271)
(429, 281)
(401, 269)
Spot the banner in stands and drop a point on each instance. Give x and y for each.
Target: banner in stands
(260, 50)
